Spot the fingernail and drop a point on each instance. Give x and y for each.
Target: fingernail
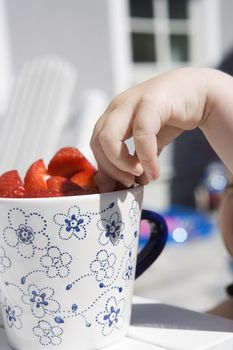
(127, 183)
(138, 170)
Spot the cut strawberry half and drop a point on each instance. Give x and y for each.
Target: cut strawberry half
(57, 183)
(36, 176)
(11, 185)
(85, 179)
(67, 161)
(61, 184)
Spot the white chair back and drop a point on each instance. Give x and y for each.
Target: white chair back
(38, 109)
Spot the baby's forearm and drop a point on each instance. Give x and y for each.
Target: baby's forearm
(218, 119)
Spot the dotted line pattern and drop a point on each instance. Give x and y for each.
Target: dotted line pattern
(14, 285)
(69, 286)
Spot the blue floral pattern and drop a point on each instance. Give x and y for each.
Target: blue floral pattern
(40, 300)
(110, 229)
(56, 263)
(28, 235)
(112, 317)
(25, 232)
(12, 314)
(128, 274)
(72, 224)
(48, 334)
(103, 265)
(5, 262)
(134, 212)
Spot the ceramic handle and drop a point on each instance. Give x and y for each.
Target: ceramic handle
(155, 244)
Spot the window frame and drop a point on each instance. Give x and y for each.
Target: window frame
(162, 27)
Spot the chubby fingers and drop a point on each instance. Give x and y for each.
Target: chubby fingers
(104, 182)
(108, 146)
(142, 121)
(107, 169)
(116, 128)
(146, 126)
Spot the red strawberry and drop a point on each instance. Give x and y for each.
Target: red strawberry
(67, 161)
(85, 179)
(57, 183)
(36, 176)
(11, 185)
(61, 184)
(43, 194)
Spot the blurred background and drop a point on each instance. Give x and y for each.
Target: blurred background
(113, 45)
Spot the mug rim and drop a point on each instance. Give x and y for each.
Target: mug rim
(69, 198)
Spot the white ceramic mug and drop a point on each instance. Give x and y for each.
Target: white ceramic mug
(67, 267)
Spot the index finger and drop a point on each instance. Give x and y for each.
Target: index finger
(146, 126)
(116, 128)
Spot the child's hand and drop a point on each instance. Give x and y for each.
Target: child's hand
(154, 113)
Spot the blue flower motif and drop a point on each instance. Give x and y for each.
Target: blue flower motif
(12, 314)
(128, 274)
(102, 266)
(111, 229)
(112, 317)
(56, 263)
(134, 213)
(47, 333)
(40, 300)
(5, 262)
(72, 224)
(26, 233)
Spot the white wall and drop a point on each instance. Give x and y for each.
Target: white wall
(5, 59)
(81, 31)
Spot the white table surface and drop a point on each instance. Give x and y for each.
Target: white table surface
(156, 326)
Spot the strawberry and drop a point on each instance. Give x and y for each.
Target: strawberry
(11, 185)
(85, 179)
(61, 184)
(57, 183)
(67, 161)
(43, 194)
(36, 176)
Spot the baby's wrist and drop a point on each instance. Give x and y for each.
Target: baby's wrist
(217, 122)
(209, 81)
